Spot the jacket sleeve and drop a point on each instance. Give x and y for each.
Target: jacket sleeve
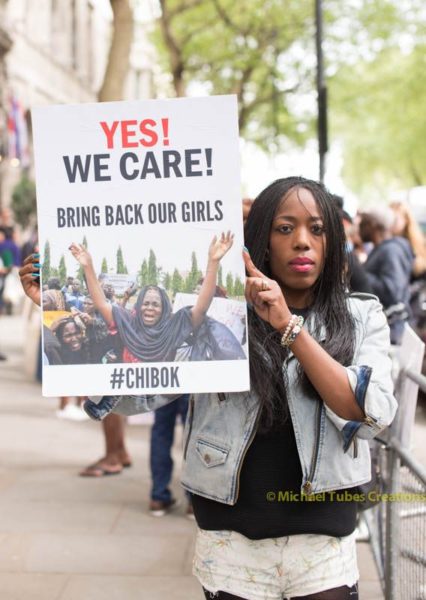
(133, 405)
(370, 378)
(389, 280)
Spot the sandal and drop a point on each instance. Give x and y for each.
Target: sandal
(99, 470)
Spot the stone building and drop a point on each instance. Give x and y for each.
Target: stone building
(55, 51)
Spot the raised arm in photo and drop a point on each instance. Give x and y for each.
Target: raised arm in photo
(217, 250)
(100, 302)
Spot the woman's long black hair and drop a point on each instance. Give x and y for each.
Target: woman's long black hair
(328, 303)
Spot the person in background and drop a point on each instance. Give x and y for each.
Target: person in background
(161, 461)
(75, 297)
(406, 226)
(6, 264)
(116, 456)
(67, 287)
(9, 243)
(388, 267)
(358, 281)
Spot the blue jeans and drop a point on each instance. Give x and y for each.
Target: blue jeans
(162, 435)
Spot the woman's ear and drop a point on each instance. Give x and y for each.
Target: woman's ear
(267, 255)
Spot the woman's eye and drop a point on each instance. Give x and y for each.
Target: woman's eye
(285, 228)
(318, 229)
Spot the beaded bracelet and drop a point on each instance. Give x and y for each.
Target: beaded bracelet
(294, 331)
(287, 331)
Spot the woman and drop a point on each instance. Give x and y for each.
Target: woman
(252, 461)
(407, 227)
(73, 347)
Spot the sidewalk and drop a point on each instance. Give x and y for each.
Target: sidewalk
(64, 537)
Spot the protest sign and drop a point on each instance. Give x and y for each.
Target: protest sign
(150, 188)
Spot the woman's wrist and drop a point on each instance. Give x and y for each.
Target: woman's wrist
(285, 323)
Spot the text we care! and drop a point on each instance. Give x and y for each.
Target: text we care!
(158, 163)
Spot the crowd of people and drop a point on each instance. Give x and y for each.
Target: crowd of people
(388, 259)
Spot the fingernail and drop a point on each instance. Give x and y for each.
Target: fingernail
(35, 274)
(38, 265)
(36, 255)
(246, 250)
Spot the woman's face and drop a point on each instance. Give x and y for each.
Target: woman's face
(400, 222)
(297, 246)
(72, 337)
(151, 308)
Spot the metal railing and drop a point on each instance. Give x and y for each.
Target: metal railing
(397, 525)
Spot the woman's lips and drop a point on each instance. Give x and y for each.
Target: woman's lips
(301, 267)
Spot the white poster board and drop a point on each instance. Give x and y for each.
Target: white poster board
(144, 186)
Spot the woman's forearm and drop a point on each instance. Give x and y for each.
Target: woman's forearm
(328, 377)
(99, 301)
(206, 294)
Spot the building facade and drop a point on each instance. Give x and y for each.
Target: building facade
(53, 52)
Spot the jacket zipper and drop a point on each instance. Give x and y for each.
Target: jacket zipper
(191, 418)
(250, 440)
(307, 486)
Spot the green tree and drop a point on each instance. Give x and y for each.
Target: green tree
(121, 267)
(177, 282)
(152, 269)
(62, 270)
(220, 276)
(167, 281)
(24, 201)
(256, 59)
(230, 284)
(104, 266)
(194, 274)
(383, 136)
(143, 274)
(45, 270)
(238, 287)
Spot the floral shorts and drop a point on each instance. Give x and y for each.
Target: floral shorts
(273, 568)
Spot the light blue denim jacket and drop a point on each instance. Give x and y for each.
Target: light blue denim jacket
(334, 453)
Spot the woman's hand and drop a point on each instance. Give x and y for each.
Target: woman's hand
(29, 275)
(81, 254)
(266, 297)
(219, 247)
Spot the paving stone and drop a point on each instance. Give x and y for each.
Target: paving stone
(58, 517)
(107, 554)
(132, 588)
(37, 586)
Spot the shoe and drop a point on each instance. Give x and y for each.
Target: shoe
(190, 512)
(3, 356)
(158, 508)
(72, 412)
(100, 470)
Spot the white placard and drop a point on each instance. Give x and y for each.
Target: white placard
(145, 186)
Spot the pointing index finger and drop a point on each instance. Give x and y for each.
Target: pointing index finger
(252, 270)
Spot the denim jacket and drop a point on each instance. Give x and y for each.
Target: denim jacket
(333, 452)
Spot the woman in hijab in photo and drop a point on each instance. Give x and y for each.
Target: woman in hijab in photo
(151, 333)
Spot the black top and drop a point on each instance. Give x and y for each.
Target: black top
(271, 466)
(269, 501)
